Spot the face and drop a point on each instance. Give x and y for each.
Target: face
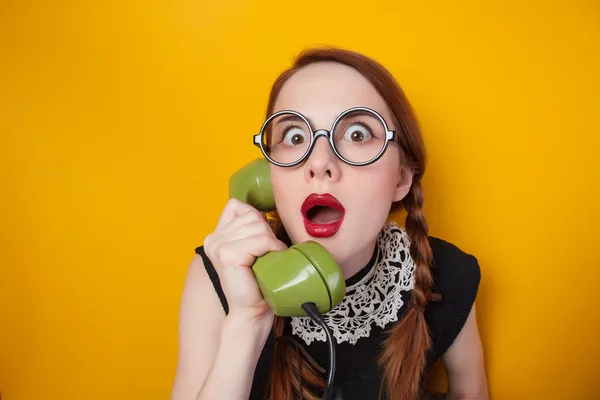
(360, 196)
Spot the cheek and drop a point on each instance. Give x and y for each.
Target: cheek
(284, 189)
(380, 179)
(375, 192)
(288, 198)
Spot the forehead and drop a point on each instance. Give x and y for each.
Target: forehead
(322, 91)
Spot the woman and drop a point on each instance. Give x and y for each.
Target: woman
(410, 297)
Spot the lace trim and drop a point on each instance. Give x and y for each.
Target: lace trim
(376, 298)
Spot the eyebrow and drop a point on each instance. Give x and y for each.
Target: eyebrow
(292, 117)
(364, 114)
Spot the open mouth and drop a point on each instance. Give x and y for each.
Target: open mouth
(323, 215)
(322, 209)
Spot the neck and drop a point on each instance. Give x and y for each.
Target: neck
(358, 260)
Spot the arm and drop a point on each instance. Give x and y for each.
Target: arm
(215, 359)
(464, 364)
(233, 369)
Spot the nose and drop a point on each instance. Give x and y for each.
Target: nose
(322, 164)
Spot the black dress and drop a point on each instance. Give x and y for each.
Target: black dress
(376, 299)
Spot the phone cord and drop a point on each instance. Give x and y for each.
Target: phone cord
(331, 392)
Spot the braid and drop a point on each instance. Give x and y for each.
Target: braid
(420, 251)
(404, 350)
(289, 372)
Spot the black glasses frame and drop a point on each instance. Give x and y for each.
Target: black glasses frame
(314, 135)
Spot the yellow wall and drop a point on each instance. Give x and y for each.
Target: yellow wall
(120, 123)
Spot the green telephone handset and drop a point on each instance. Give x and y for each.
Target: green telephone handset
(306, 272)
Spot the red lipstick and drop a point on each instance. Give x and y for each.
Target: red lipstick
(323, 215)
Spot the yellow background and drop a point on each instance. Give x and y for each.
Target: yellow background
(121, 122)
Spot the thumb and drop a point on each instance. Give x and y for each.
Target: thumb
(281, 246)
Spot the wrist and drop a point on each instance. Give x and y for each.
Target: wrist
(253, 325)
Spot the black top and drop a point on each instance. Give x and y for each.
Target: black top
(456, 277)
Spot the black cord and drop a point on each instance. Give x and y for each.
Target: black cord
(331, 393)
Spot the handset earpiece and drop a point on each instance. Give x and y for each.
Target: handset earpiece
(305, 272)
(252, 185)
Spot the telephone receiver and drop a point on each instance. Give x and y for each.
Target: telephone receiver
(305, 272)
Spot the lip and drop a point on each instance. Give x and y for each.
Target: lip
(322, 230)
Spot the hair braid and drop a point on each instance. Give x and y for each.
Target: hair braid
(405, 349)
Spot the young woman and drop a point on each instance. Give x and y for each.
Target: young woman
(410, 297)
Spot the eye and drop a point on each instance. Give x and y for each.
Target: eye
(357, 133)
(294, 136)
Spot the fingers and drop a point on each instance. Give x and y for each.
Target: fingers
(242, 234)
(245, 231)
(248, 218)
(232, 210)
(243, 252)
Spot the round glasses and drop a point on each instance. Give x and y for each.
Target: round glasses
(359, 136)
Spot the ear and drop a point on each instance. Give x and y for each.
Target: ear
(405, 178)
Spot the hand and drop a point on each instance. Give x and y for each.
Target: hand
(242, 234)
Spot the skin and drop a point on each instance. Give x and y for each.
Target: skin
(211, 343)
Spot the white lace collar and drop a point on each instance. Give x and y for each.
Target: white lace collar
(376, 298)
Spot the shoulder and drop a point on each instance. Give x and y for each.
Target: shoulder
(200, 285)
(200, 319)
(213, 276)
(456, 276)
(453, 270)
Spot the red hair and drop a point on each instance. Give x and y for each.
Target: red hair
(403, 354)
